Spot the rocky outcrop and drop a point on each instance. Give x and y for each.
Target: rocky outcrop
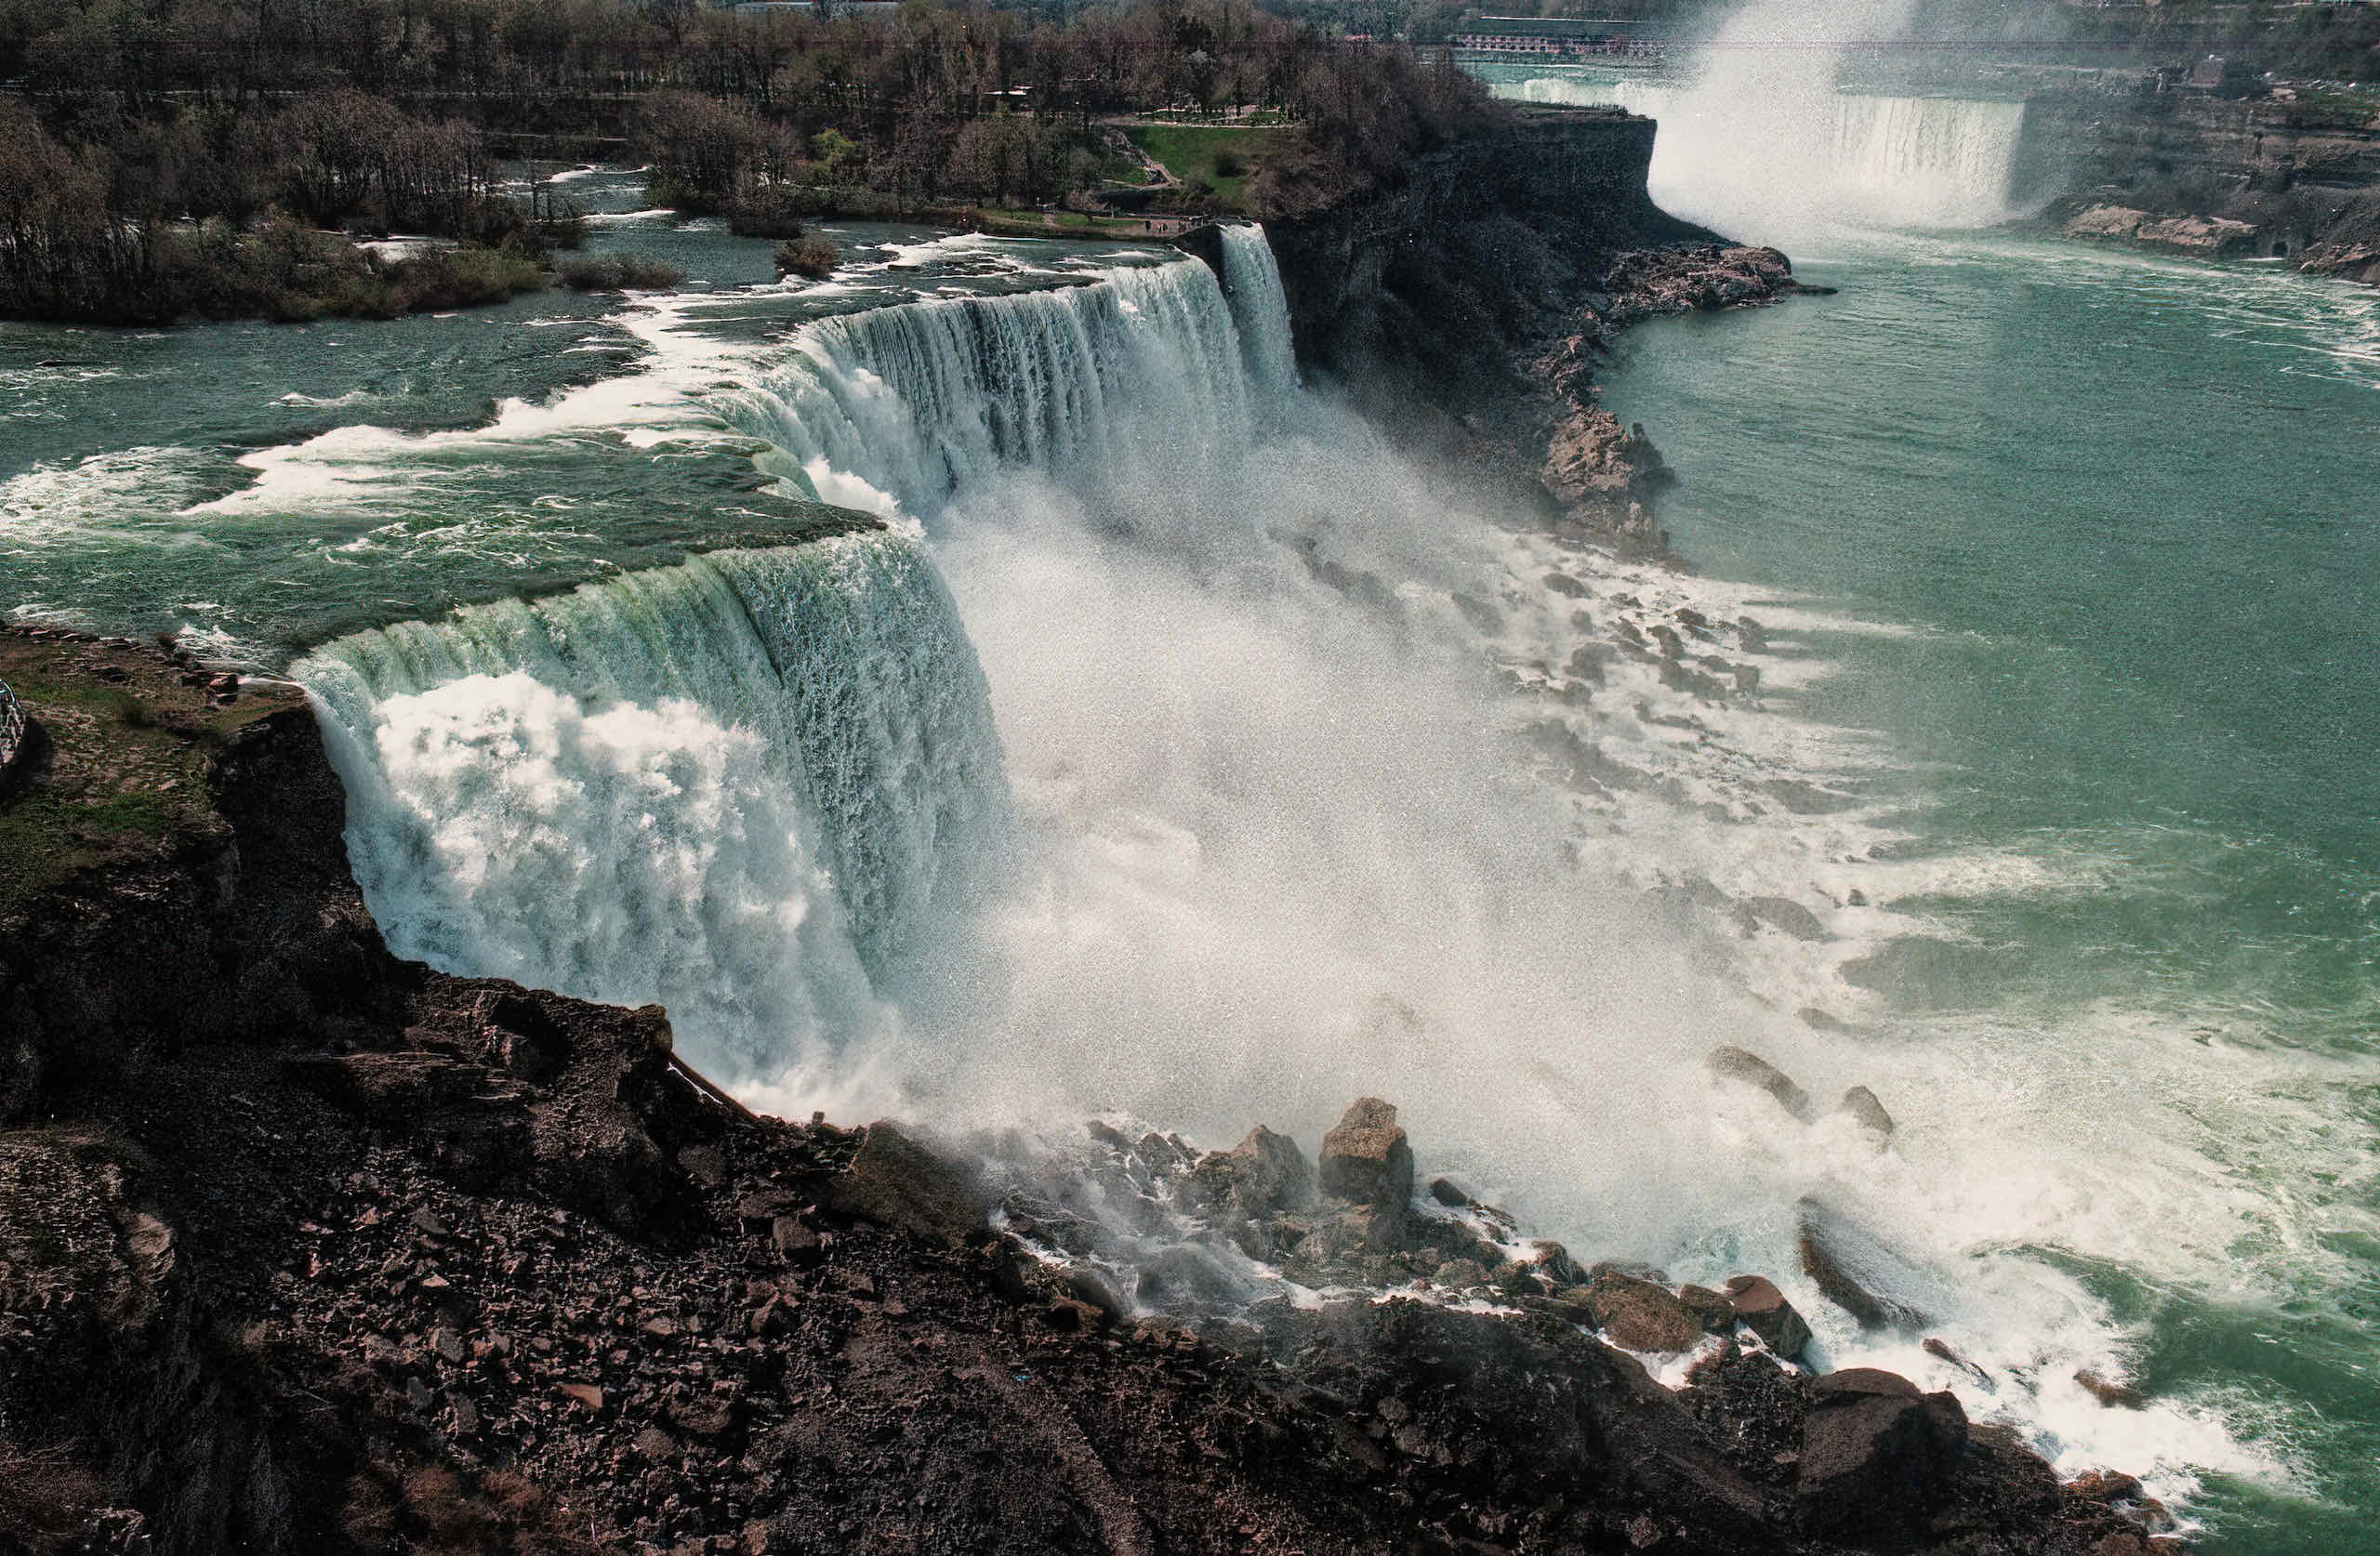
(1467, 306)
(387, 1261)
(2193, 173)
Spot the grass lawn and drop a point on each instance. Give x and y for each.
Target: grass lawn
(1190, 152)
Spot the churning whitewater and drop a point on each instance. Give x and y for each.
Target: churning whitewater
(1289, 774)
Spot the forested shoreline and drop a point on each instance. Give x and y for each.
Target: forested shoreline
(199, 161)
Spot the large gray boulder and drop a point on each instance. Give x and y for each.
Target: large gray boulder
(1265, 1175)
(1367, 1160)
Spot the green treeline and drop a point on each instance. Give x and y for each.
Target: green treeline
(163, 158)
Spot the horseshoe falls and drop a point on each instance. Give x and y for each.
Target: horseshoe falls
(1824, 160)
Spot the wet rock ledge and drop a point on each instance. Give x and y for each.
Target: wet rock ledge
(305, 1249)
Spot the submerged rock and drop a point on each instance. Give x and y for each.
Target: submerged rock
(1730, 1063)
(2110, 1393)
(1864, 1110)
(1785, 915)
(1943, 1350)
(1826, 1243)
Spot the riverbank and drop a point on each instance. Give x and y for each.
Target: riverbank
(309, 1249)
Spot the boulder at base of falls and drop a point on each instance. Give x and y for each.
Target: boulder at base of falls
(896, 1182)
(1763, 1308)
(1639, 1315)
(1837, 1255)
(1874, 1448)
(1730, 1063)
(1366, 1159)
(1263, 1174)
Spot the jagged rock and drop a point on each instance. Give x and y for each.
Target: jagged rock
(895, 1182)
(1866, 1112)
(1447, 1192)
(2104, 1485)
(1711, 1309)
(1639, 1315)
(1460, 1274)
(1763, 1308)
(1876, 1453)
(1824, 1239)
(1366, 1159)
(1754, 1408)
(1263, 1174)
(1730, 1063)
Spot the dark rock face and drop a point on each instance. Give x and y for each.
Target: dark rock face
(1466, 307)
(896, 1182)
(1263, 1174)
(1875, 1452)
(1641, 1315)
(446, 1265)
(1826, 1240)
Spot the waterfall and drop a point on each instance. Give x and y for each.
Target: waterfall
(913, 402)
(1927, 162)
(1826, 157)
(745, 786)
(1260, 308)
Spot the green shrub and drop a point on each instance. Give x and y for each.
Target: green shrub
(619, 272)
(815, 258)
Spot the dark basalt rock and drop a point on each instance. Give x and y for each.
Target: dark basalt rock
(1763, 1308)
(1263, 1174)
(1641, 1315)
(1875, 1454)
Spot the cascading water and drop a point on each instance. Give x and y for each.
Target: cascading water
(1758, 140)
(919, 400)
(746, 786)
(1927, 162)
(1821, 157)
(1260, 308)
